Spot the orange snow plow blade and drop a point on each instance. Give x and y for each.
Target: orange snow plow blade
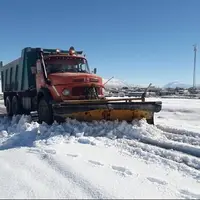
(127, 109)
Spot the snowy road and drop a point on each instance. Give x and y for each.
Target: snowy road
(103, 159)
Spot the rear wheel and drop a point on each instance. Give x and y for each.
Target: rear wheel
(9, 106)
(45, 113)
(15, 106)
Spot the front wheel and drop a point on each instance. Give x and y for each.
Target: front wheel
(45, 113)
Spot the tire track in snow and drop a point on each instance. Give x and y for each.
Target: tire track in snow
(182, 138)
(173, 159)
(177, 157)
(181, 132)
(153, 136)
(180, 147)
(180, 135)
(67, 172)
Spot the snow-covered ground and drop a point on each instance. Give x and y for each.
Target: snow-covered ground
(103, 159)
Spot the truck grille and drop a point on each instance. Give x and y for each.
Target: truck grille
(78, 91)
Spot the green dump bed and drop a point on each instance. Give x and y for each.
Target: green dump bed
(16, 76)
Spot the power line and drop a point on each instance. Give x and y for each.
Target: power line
(194, 72)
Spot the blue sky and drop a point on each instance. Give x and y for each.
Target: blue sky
(138, 41)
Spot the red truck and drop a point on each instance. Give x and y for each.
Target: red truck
(58, 84)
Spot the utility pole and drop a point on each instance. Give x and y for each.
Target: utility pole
(194, 72)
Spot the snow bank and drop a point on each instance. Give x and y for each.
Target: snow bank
(20, 131)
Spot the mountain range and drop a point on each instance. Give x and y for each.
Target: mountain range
(178, 84)
(175, 84)
(119, 83)
(114, 82)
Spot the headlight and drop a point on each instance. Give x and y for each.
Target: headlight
(66, 92)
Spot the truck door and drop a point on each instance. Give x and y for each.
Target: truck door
(40, 82)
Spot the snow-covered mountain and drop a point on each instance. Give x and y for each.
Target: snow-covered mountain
(175, 84)
(115, 83)
(118, 83)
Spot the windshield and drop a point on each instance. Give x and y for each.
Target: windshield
(59, 65)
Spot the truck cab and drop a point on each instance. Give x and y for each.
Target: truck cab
(41, 78)
(62, 76)
(67, 76)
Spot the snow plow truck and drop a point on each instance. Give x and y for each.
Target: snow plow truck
(58, 84)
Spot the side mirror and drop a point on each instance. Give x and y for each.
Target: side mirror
(38, 66)
(95, 70)
(33, 69)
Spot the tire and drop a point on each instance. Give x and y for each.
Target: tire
(9, 106)
(45, 113)
(16, 110)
